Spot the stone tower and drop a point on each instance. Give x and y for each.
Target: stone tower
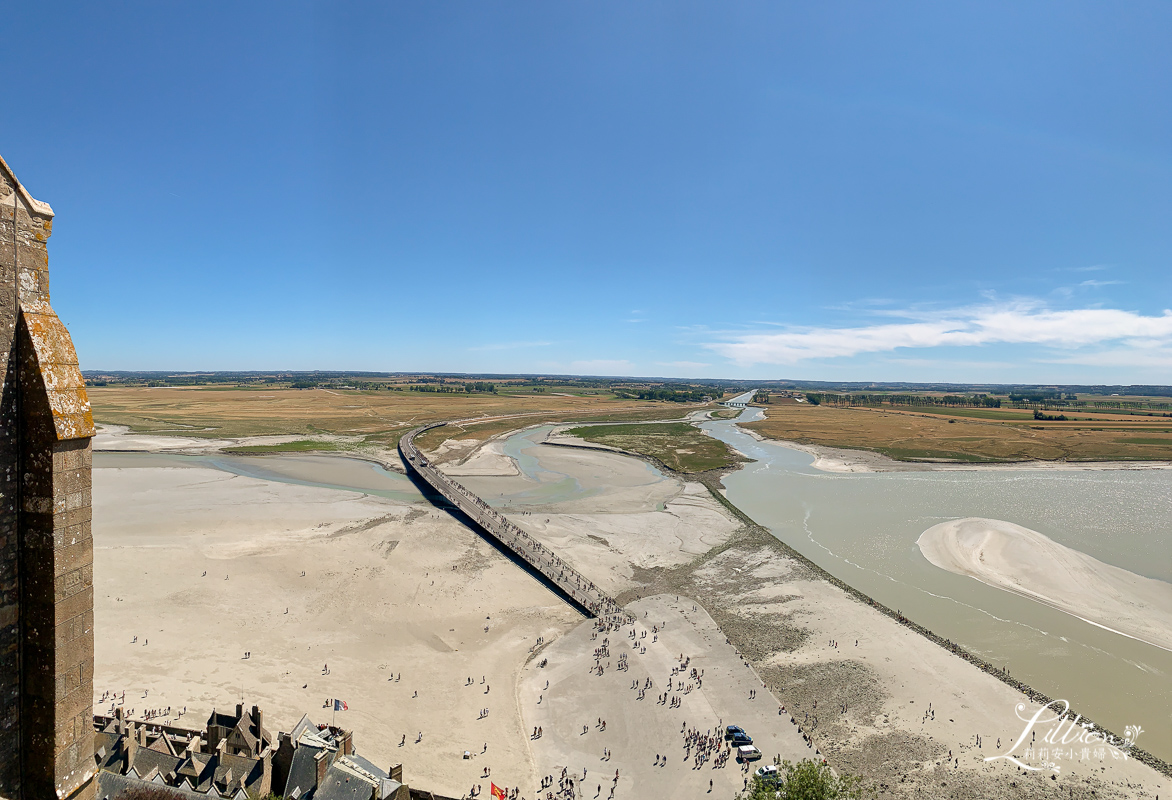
(46, 553)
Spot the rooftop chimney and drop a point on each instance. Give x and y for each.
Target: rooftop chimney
(323, 763)
(258, 717)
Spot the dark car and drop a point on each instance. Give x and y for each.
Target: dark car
(741, 739)
(731, 730)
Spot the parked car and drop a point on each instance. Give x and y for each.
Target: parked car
(739, 739)
(747, 752)
(730, 730)
(768, 773)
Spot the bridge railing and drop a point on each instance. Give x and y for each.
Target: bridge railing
(576, 586)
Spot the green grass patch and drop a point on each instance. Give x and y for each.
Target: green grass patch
(680, 446)
(1142, 440)
(1003, 414)
(298, 446)
(915, 454)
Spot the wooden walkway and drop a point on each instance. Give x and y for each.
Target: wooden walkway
(588, 597)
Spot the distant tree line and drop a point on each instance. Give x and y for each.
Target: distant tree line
(670, 395)
(1046, 396)
(455, 388)
(948, 400)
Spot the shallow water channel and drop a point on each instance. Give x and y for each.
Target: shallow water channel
(862, 528)
(327, 472)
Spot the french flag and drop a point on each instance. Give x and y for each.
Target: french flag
(340, 705)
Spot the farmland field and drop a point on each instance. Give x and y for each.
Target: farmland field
(376, 418)
(912, 434)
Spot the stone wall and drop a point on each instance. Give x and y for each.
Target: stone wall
(46, 553)
(9, 443)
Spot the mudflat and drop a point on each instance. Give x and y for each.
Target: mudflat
(422, 626)
(1019, 560)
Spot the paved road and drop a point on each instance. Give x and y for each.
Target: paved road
(582, 591)
(741, 400)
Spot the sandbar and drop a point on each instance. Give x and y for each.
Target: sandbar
(1025, 562)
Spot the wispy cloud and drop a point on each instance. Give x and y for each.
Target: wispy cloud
(1018, 322)
(1093, 283)
(510, 345)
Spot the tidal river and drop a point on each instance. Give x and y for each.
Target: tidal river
(863, 527)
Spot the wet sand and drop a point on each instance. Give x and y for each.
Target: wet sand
(1019, 560)
(303, 577)
(399, 588)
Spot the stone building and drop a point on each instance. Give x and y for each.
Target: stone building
(236, 757)
(46, 553)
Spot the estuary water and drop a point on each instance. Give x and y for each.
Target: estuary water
(862, 528)
(327, 472)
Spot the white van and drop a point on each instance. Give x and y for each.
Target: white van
(748, 752)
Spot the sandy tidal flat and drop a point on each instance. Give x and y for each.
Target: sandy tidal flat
(434, 638)
(1025, 562)
(210, 586)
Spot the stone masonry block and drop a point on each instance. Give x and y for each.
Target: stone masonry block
(73, 556)
(72, 654)
(74, 606)
(68, 584)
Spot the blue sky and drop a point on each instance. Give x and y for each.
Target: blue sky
(855, 191)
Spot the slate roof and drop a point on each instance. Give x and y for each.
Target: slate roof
(366, 765)
(198, 770)
(304, 724)
(145, 760)
(244, 771)
(163, 745)
(222, 720)
(106, 752)
(344, 784)
(111, 785)
(302, 772)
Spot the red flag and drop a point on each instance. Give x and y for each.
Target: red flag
(497, 792)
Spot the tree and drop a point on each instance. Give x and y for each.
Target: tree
(806, 780)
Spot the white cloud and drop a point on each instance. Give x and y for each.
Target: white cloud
(1136, 357)
(602, 366)
(1014, 323)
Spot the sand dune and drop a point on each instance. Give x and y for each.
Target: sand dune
(1019, 560)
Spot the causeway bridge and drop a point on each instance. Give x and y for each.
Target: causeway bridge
(741, 400)
(584, 594)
